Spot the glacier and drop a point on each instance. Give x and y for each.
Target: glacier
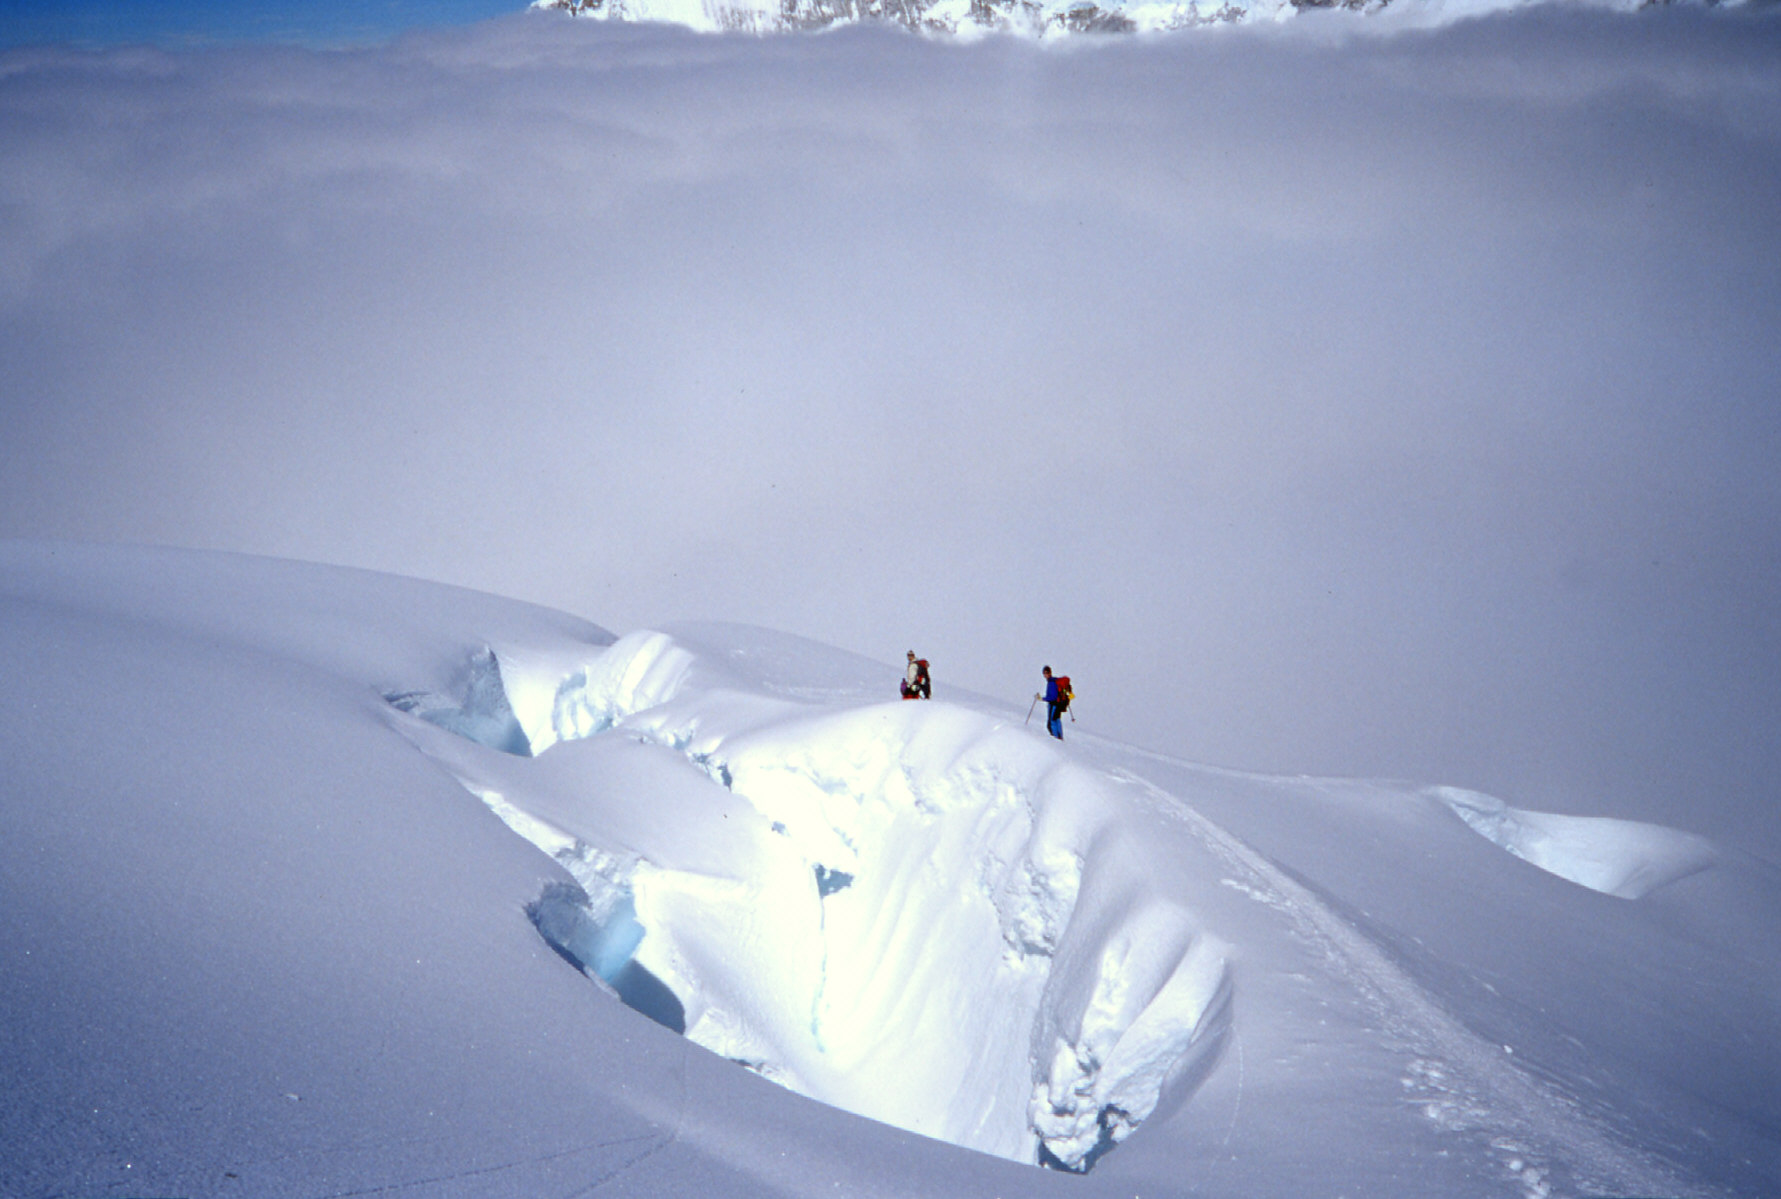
(324, 882)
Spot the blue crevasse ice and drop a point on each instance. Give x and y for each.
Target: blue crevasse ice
(604, 944)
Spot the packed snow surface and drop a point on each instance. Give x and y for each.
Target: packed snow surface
(326, 883)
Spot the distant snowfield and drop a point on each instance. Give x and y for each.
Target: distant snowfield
(322, 882)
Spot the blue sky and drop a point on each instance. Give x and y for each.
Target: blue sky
(198, 22)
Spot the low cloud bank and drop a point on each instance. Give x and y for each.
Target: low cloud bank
(1320, 401)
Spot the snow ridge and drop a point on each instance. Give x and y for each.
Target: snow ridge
(884, 868)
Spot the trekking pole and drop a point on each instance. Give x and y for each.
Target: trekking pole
(1030, 707)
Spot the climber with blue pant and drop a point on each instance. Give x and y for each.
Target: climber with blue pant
(1057, 696)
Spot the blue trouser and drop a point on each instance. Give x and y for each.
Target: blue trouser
(1053, 722)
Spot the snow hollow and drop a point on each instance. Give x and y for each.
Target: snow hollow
(325, 882)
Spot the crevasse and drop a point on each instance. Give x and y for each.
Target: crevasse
(917, 913)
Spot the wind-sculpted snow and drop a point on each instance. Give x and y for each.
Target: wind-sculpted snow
(910, 911)
(641, 671)
(527, 711)
(1625, 858)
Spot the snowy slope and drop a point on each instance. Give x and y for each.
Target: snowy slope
(322, 882)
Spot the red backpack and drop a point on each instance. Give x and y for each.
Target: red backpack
(1064, 694)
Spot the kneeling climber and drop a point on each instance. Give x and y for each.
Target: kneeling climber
(916, 684)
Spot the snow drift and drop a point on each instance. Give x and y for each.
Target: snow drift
(1626, 858)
